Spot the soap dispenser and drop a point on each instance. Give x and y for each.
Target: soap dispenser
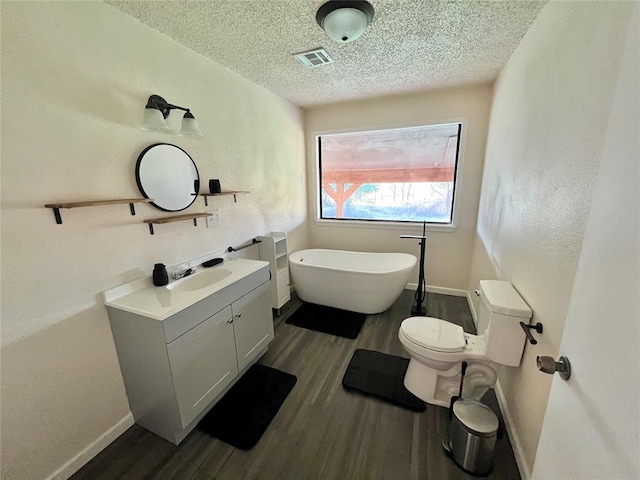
(160, 276)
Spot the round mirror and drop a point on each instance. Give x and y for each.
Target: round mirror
(169, 175)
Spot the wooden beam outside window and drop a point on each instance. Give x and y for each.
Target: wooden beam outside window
(401, 175)
(340, 195)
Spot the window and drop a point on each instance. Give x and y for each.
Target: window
(396, 175)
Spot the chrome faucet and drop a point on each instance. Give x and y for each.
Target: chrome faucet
(178, 273)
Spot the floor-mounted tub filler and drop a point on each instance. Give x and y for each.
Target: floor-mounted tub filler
(357, 281)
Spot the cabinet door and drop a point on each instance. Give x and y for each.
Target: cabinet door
(203, 362)
(283, 287)
(253, 324)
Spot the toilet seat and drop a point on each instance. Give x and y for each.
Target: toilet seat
(434, 334)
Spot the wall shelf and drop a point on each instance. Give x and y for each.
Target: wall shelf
(95, 203)
(175, 218)
(221, 194)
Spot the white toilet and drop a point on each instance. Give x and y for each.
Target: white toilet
(438, 347)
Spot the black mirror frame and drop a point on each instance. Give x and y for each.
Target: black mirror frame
(141, 188)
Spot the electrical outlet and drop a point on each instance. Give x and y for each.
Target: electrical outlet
(214, 219)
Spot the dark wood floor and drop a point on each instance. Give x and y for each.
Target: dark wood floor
(321, 432)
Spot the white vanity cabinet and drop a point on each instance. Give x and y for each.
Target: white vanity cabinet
(252, 325)
(176, 369)
(202, 362)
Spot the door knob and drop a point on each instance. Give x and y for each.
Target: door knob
(549, 365)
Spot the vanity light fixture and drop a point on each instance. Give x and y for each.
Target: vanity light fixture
(345, 21)
(158, 109)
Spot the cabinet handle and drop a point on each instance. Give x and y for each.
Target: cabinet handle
(239, 315)
(230, 320)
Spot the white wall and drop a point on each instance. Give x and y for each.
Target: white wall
(592, 423)
(448, 253)
(75, 79)
(551, 105)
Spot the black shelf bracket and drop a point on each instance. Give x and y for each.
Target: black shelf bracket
(206, 201)
(56, 213)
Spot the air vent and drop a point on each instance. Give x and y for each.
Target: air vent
(313, 58)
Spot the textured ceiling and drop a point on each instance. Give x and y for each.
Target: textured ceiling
(411, 46)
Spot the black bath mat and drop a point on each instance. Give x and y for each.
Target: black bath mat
(381, 375)
(333, 321)
(244, 413)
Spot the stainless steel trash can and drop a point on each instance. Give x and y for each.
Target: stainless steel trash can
(472, 436)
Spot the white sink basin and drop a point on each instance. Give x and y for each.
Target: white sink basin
(141, 297)
(199, 280)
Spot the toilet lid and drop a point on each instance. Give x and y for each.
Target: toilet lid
(434, 333)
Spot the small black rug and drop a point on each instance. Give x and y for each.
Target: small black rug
(333, 321)
(381, 375)
(246, 410)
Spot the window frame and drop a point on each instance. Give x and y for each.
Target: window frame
(387, 224)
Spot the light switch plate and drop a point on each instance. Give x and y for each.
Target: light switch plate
(214, 219)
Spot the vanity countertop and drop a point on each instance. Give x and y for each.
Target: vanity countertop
(142, 297)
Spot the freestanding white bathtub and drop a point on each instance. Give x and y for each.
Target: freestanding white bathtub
(356, 281)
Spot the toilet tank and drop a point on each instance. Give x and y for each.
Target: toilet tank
(500, 312)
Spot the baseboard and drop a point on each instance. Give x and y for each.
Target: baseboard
(450, 291)
(443, 290)
(82, 458)
(472, 307)
(516, 444)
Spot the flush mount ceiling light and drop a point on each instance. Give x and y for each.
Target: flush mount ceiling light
(158, 109)
(344, 21)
